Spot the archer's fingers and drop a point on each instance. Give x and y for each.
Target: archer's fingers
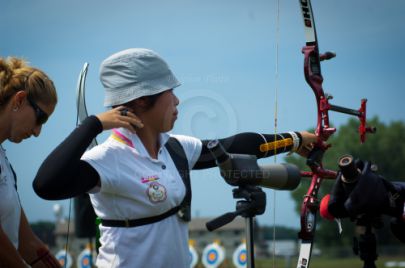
(308, 138)
(304, 150)
(120, 117)
(132, 122)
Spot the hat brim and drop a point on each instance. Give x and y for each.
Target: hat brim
(115, 97)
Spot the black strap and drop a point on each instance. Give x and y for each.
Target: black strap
(179, 158)
(139, 222)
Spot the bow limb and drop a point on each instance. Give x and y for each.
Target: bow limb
(81, 115)
(80, 94)
(81, 100)
(313, 76)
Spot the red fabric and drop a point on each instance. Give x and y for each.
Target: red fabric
(323, 210)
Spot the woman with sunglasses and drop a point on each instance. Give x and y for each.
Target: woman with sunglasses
(138, 182)
(27, 99)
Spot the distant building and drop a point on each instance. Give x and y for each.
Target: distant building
(230, 236)
(76, 245)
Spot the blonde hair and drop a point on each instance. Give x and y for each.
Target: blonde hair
(15, 75)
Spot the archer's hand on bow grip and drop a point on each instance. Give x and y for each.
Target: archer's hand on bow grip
(307, 143)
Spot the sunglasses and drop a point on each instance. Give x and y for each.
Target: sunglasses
(41, 116)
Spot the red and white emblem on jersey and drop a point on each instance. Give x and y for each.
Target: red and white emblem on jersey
(156, 192)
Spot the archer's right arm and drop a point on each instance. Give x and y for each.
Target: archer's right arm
(63, 175)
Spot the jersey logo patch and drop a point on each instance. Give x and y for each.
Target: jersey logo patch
(156, 192)
(149, 179)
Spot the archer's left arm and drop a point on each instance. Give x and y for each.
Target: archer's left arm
(260, 145)
(32, 249)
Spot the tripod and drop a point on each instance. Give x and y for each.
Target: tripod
(366, 246)
(254, 204)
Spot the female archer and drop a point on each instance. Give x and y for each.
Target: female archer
(135, 178)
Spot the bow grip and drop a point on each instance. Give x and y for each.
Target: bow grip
(315, 156)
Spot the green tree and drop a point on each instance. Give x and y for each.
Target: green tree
(386, 149)
(45, 231)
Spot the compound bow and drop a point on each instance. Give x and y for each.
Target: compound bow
(313, 76)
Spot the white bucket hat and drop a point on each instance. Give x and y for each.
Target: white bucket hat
(134, 73)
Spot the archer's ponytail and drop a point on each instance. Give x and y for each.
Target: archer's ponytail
(15, 75)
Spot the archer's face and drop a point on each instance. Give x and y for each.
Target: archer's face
(164, 112)
(26, 120)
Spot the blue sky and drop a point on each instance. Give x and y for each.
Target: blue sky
(224, 53)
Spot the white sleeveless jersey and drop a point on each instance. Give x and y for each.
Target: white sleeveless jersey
(10, 207)
(134, 186)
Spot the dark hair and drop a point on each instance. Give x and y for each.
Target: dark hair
(149, 102)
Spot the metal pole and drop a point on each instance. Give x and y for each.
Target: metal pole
(249, 242)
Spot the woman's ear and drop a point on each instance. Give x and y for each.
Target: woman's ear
(141, 104)
(18, 99)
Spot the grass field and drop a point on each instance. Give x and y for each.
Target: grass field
(316, 262)
(319, 262)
